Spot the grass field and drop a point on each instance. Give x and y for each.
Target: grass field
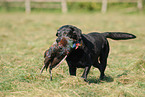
(24, 38)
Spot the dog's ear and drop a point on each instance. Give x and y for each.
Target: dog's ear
(77, 33)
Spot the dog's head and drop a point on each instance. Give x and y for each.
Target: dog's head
(69, 37)
(70, 32)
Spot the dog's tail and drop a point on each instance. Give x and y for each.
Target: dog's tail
(119, 35)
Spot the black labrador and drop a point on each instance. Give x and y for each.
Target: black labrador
(92, 51)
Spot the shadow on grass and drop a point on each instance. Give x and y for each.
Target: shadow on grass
(124, 73)
(97, 81)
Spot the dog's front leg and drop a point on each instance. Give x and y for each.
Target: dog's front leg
(72, 70)
(86, 71)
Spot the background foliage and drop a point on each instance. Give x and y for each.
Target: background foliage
(72, 6)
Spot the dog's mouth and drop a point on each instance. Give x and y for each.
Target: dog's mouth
(62, 49)
(69, 42)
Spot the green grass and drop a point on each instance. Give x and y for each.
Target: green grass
(25, 37)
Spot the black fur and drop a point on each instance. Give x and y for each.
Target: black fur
(94, 50)
(118, 35)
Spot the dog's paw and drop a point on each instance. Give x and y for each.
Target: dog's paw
(102, 77)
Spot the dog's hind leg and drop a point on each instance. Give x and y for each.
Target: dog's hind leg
(86, 71)
(102, 68)
(103, 60)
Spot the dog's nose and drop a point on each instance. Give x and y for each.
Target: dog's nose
(58, 40)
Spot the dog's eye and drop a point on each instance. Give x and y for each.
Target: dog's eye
(74, 37)
(64, 33)
(70, 34)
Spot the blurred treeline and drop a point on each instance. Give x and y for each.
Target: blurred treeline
(72, 6)
(92, 6)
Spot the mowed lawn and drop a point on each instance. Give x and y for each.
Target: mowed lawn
(25, 37)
